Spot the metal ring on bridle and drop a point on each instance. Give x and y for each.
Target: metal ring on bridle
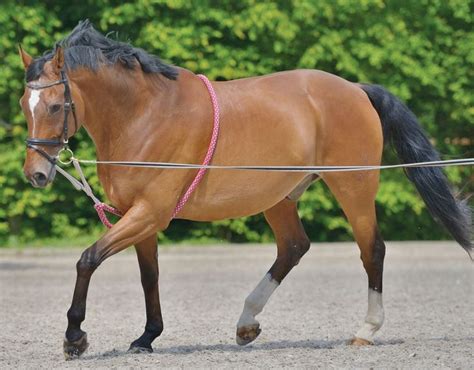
(69, 156)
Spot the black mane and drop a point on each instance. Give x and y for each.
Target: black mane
(85, 47)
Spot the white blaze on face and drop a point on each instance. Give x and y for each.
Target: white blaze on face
(374, 318)
(256, 301)
(33, 102)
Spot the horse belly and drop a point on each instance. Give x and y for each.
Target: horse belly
(246, 193)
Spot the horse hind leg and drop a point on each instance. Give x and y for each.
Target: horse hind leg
(356, 195)
(292, 244)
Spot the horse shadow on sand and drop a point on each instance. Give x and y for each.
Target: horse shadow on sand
(180, 350)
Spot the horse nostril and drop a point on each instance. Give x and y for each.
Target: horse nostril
(40, 178)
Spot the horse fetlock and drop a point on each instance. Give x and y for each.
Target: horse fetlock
(375, 320)
(142, 344)
(76, 316)
(247, 319)
(154, 329)
(368, 330)
(76, 348)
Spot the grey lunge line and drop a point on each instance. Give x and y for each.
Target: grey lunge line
(83, 185)
(309, 169)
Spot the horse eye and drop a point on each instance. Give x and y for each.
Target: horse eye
(54, 108)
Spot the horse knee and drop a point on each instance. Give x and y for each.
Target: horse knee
(89, 261)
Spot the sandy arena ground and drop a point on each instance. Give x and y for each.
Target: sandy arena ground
(428, 295)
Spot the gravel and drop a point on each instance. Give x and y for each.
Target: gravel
(428, 296)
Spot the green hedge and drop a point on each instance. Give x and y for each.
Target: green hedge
(421, 50)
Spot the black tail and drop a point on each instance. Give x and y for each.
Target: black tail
(401, 128)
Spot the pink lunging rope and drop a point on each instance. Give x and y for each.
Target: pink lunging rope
(101, 208)
(210, 150)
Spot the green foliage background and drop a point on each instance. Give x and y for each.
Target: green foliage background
(421, 50)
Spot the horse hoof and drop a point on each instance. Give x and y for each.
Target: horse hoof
(247, 334)
(73, 350)
(360, 342)
(138, 349)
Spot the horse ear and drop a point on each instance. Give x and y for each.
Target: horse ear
(58, 59)
(25, 57)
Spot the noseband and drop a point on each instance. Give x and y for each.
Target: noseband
(33, 143)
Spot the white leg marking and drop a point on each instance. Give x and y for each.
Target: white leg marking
(374, 318)
(33, 102)
(256, 300)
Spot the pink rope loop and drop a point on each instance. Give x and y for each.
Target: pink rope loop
(210, 150)
(101, 208)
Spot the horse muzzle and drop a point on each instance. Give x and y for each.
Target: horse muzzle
(41, 178)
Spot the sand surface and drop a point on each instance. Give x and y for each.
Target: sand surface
(428, 296)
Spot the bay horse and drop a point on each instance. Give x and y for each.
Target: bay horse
(137, 108)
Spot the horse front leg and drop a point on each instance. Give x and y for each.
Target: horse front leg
(292, 244)
(147, 253)
(136, 225)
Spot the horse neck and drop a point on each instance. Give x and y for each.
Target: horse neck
(115, 100)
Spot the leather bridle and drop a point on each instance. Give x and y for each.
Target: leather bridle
(33, 143)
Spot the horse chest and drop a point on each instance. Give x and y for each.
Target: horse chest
(116, 189)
